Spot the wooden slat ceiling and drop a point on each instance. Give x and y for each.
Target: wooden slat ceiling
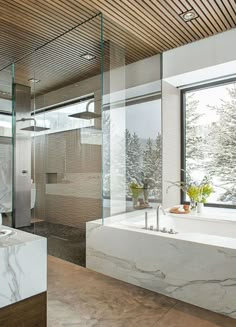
(140, 27)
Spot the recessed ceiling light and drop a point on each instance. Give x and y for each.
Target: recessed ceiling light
(189, 15)
(88, 56)
(34, 80)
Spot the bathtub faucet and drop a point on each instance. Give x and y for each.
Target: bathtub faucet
(159, 207)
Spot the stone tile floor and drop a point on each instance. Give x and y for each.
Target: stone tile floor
(78, 297)
(64, 242)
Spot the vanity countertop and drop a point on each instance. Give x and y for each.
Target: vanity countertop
(23, 266)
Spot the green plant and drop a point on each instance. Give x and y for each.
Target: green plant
(135, 189)
(193, 192)
(197, 192)
(205, 190)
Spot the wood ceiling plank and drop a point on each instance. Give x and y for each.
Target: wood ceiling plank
(162, 24)
(33, 27)
(201, 11)
(219, 14)
(141, 27)
(212, 16)
(230, 10)
(177, 21)
(198, 22)
(192, 25)
(180, 6)
(225, 12)
(121, 19)
(141, 12)
(118, 34)
(233, 5)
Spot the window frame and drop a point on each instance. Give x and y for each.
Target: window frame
(183, 134)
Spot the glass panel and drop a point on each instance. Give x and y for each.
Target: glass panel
(6, 149)
(132, 163)
(65, 130)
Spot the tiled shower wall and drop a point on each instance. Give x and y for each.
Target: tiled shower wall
(68, 179)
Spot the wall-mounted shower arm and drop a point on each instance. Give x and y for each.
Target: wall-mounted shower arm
(26, 119)
(33, 128)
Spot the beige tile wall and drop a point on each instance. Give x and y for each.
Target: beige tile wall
(78, 168)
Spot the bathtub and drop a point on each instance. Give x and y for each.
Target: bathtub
(211, 223)
(197, 265)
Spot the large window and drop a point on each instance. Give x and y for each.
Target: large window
(209, 138)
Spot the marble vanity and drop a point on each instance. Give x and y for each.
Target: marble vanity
(23, 270)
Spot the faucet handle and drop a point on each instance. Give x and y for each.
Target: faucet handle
(164, 230)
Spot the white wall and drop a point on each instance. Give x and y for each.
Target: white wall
(201, 60)
(170, 143)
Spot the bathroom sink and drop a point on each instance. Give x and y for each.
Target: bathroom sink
(5, 233)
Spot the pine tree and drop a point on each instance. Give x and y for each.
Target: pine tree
(223, 146)
(149, 164)
(194, 140)
(158, 167)
(133, 159)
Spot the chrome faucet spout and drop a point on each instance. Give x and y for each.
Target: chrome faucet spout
(159, 207)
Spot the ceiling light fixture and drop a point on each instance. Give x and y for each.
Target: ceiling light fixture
(88, 56)
(189, 15)
(34, 80)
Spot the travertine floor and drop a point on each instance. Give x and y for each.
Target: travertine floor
(83, 298)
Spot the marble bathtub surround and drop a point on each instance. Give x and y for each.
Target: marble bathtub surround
(23, 266)
(199, 269)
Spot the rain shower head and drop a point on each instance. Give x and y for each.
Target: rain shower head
(35, 129)
(85, 115)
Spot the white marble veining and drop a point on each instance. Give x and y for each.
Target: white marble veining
(23, 268)
(196, 268)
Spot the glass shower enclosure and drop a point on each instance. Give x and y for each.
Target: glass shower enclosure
(53, 143)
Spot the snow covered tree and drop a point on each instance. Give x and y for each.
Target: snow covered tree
(152, 167)
(223, 146)
(194, 140)
(158, 167)
(148, 162)
(133, 158)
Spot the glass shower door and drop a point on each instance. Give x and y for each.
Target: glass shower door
(6, 148)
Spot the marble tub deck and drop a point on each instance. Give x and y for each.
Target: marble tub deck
(83, 298)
